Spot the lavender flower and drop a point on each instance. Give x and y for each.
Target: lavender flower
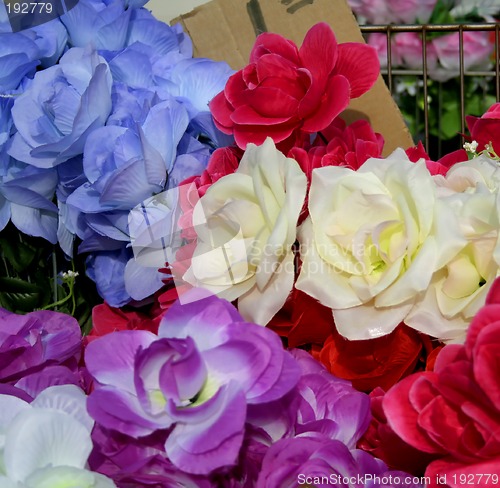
(197, 378)
(328, 404)
(318, 461)
(32, 344)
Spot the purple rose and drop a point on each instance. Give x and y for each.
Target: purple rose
(132, 463)
(196, 377)
(32, 345)
(319, 461)
(328, 404)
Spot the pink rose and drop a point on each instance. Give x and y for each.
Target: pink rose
(381, 441)
(453, 412)
(477, 52)
(374, 11)
(287, 93)
(379, 43)
(393, 11)
(411, 11)
(408, 52)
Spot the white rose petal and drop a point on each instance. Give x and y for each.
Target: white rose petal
(370, 246)
(246, 225)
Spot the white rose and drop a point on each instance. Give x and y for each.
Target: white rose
(371, 243)
(246, 225)
(458, 290)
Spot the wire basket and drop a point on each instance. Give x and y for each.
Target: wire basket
(491, 76)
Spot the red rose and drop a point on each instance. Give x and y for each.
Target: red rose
(107, 319)
(379, 362)
(453, 412)
(439, 167)
(286, 92)
(486, 129)
(303, 320)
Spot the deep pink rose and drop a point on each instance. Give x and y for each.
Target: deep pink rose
(442, 165)
(453, 412)
(486, 129)
(286, 93)
(381, 441)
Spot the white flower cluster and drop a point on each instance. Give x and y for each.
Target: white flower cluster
(385, 244)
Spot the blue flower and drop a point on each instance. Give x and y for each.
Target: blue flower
(153, 48)
(6, 103)
(106, 269)
(59, 109)
(195, 81)
(102, 23)
(18, 58)
(4, 19)
(51, 39)
(163, 39)
(25, 198)
(135, 3)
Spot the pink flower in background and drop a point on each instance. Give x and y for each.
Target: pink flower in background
(411, 11)
(379, 43)
(374, 11)
(286, 93)
(477, 53)
(408, 51)
(393, 11)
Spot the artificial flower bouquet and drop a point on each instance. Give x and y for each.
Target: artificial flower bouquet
(283, 306)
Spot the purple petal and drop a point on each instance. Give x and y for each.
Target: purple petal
(111, 358)
(201, 319)
(35, 383)
(121, 411)
(200, 448)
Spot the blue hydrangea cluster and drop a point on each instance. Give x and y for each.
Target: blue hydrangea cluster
(100, 109)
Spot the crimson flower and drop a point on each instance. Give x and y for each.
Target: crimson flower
(486, 129)
(286, 92)
(453, 412)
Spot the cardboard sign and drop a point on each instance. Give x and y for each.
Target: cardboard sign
(225, 30)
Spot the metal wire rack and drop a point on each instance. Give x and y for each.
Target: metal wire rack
(391, 72)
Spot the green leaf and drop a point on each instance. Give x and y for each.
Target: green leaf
(20, 296)
(20, 255)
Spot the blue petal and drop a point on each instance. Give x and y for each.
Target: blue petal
(164, 127)
(51, 39)
(4, 210)
(35, 222)
(112, 224)
(107, 269)
(141, 282)
(198, 80)
(133, 68)
(144, 28)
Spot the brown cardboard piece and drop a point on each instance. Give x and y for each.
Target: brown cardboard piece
(225, 30)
